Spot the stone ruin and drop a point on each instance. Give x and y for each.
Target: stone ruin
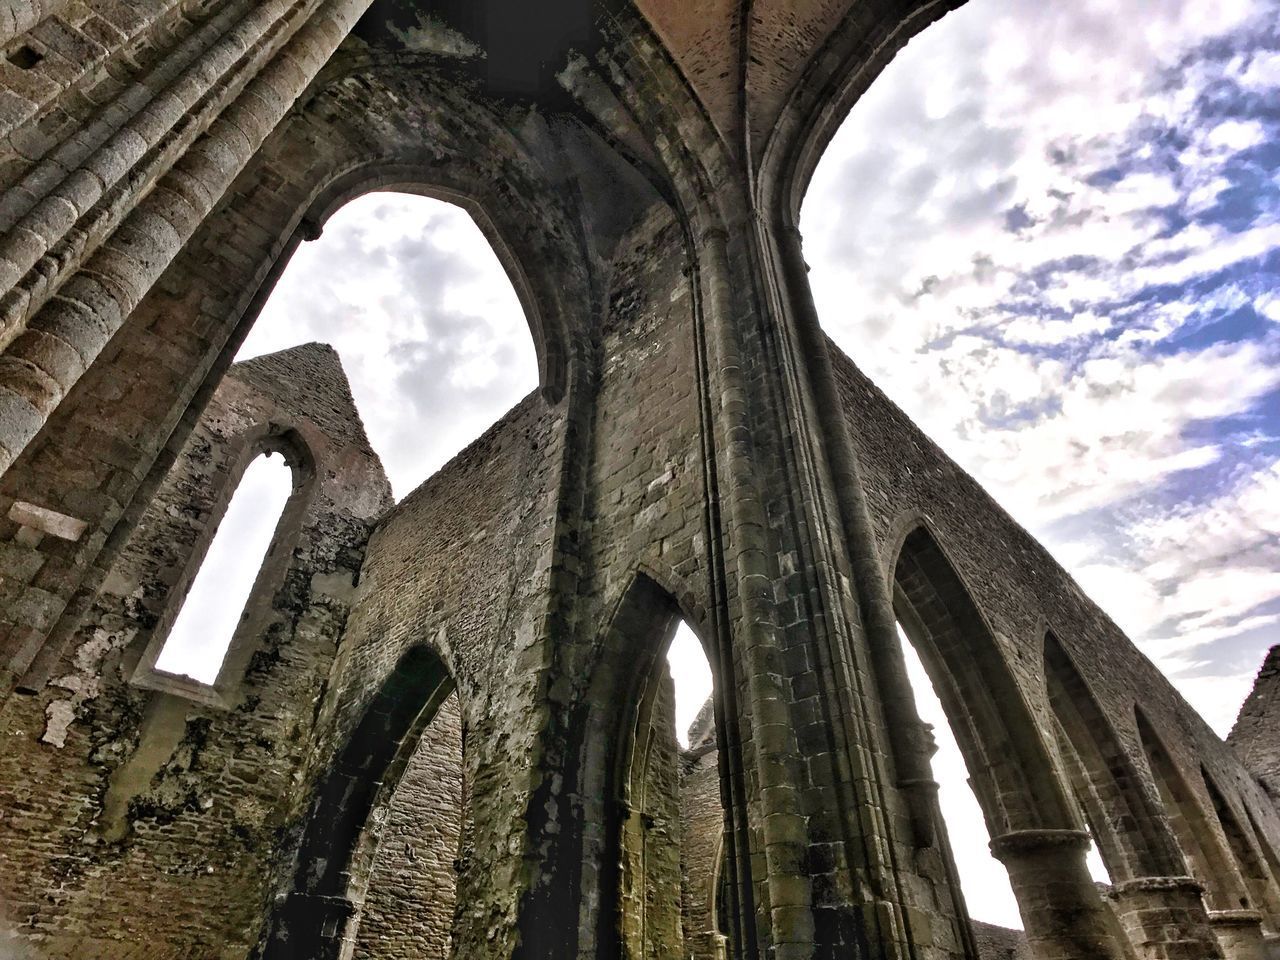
(444, 726)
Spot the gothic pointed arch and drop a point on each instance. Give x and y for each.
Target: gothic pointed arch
(1208, 861)
(217, 282)
(621, 717)
(1036, 831)
(244, 449)
(320, 904)
(1014, 777)
(1123, 817)
(1244, 851)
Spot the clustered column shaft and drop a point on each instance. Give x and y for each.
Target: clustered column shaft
(63, 339)
(71, 199)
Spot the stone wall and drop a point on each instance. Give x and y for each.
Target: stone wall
(454, 569)
(1023, 594)
(702, 839)
(408, 907)
(1256, 734)
(117, 778)
(652, 837)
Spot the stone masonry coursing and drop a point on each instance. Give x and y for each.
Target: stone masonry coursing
(701, 841)
(408, 907)
(1254, 735)
(695, 450)
(134, 770)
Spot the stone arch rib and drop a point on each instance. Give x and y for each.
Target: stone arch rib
(1125, 819)
(615, 714)
(546, 307)
(1200, 845)
(1248, 858)
(836, 77)
(1012, 769)
(1035, 829)
(312, 919)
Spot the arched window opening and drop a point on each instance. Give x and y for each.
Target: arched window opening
(344, 854)
(1246, 855)
(653, 811)
(432, 335)
(1104, 779)
(983, 879)
(1093, 860)
(703, 910)
(221, 593)
(1204, 856)
(1026, 805)
(673, 820)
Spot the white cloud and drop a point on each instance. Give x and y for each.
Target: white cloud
(429, 329)
(990, 238)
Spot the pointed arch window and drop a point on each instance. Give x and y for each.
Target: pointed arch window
(1205, 857)
(201, 643)
(989, 897)
(1248, 858)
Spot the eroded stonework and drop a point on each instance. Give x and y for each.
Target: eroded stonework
(443, 725)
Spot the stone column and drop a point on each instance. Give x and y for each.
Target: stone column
(70, 200)
(65, 337)
(782, 822)
(1164, 918)
(19, 16)
(1064, 917)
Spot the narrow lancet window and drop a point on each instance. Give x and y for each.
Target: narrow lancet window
(692, 676)
(203, 630)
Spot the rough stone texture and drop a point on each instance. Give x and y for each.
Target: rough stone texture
(999, 943)
(1256, 734)
(408, 908)
(651, 835)
(695, 450)
(117, 770)
(702, 840)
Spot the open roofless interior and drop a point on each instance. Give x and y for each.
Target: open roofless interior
(442, 515)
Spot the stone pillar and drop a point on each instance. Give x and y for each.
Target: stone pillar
(781, 821)
(1164, 918)
(1064, 917)
(64, 338)
(1239, 934)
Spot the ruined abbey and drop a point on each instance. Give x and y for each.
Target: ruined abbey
(444, 726)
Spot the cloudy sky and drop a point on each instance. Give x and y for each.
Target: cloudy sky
(1051, 232)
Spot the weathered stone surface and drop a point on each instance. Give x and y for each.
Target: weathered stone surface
(695, 450)
(1256, 734)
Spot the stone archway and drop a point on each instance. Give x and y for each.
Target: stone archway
(1034, 830)
(316, 917)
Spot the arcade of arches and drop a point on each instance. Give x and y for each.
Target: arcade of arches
(441, 727)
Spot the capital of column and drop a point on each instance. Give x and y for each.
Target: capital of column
(1037, 841)
(790, 230)
(1158, 885)
(920, 784)
(717, 232)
